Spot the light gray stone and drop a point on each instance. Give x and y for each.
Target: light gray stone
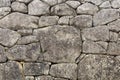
(54, 2)
(4, 11)
(99, 33)
(59, 43)
(64, 70)
(65, 20)
(48, 21)
(114, 26)
(37, 7)
(3, 57)
(19, 7)
(87, 8)
(96, 2)
(105, 16)
(24, 1)
(25, 32)
(32, 69)
(8, 37)
(22, 21)
(60, 79)
(27, 39)
(62, 9)
(29, 78)
(13, 71)
(5, 3)
(115, 3)
(73, 4)
(94, 47)
(2, 71)
(28, 52)
(96, 67)
(44, 78)
(114, 48)
(105, 4)
(113, 36)
(82, 21)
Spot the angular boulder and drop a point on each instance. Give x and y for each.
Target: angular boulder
(59, 43)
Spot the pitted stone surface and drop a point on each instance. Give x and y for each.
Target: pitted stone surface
(62, 9)
(66, 70)
(105, 16)
(8, 37)
(20, 22)
(37, 7)
(59, 39)
(59, 43)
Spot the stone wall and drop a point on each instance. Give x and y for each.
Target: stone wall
(59, 40)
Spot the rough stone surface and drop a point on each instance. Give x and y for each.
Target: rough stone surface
(87, 8)
(62, 9)
(8, 37)
(28, 52)
(13, 71)
(27, 40)
(66, 70)
(3, 57)
(94, 47)
(20, 7)
(24, 1)
(29, 78)
(44, 78)
(4, 11)
(82, 21)
(59, 39)
(105, 16)
(65, 20)
(54, 2)
(99, 33)
(59, 43)
(48, 21)
(25, 32)
(105, 4)
(115, 3)
(73, 4)
(96, 2)
(37, 7)
(36, 68)
(20, 22)
(114, 48)
(5, 3)
(96, 67)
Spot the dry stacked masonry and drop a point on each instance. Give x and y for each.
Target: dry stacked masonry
(59, 39)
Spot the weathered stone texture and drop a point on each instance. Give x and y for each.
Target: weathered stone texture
(62, 9)
(96, 67)
(59, 43)
(59, 39)
(82, 21)
(65, 70)
(105, 16)
(36, 68)
(8, 37)
(20, 22)
(28, 52)
(37, 7)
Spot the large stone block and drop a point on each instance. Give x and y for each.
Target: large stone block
(22, 21)
(64, 70)
(32, 69)
(8, 37)
(105, 16)
(98, 67)
(59, 43)
(30, 52)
